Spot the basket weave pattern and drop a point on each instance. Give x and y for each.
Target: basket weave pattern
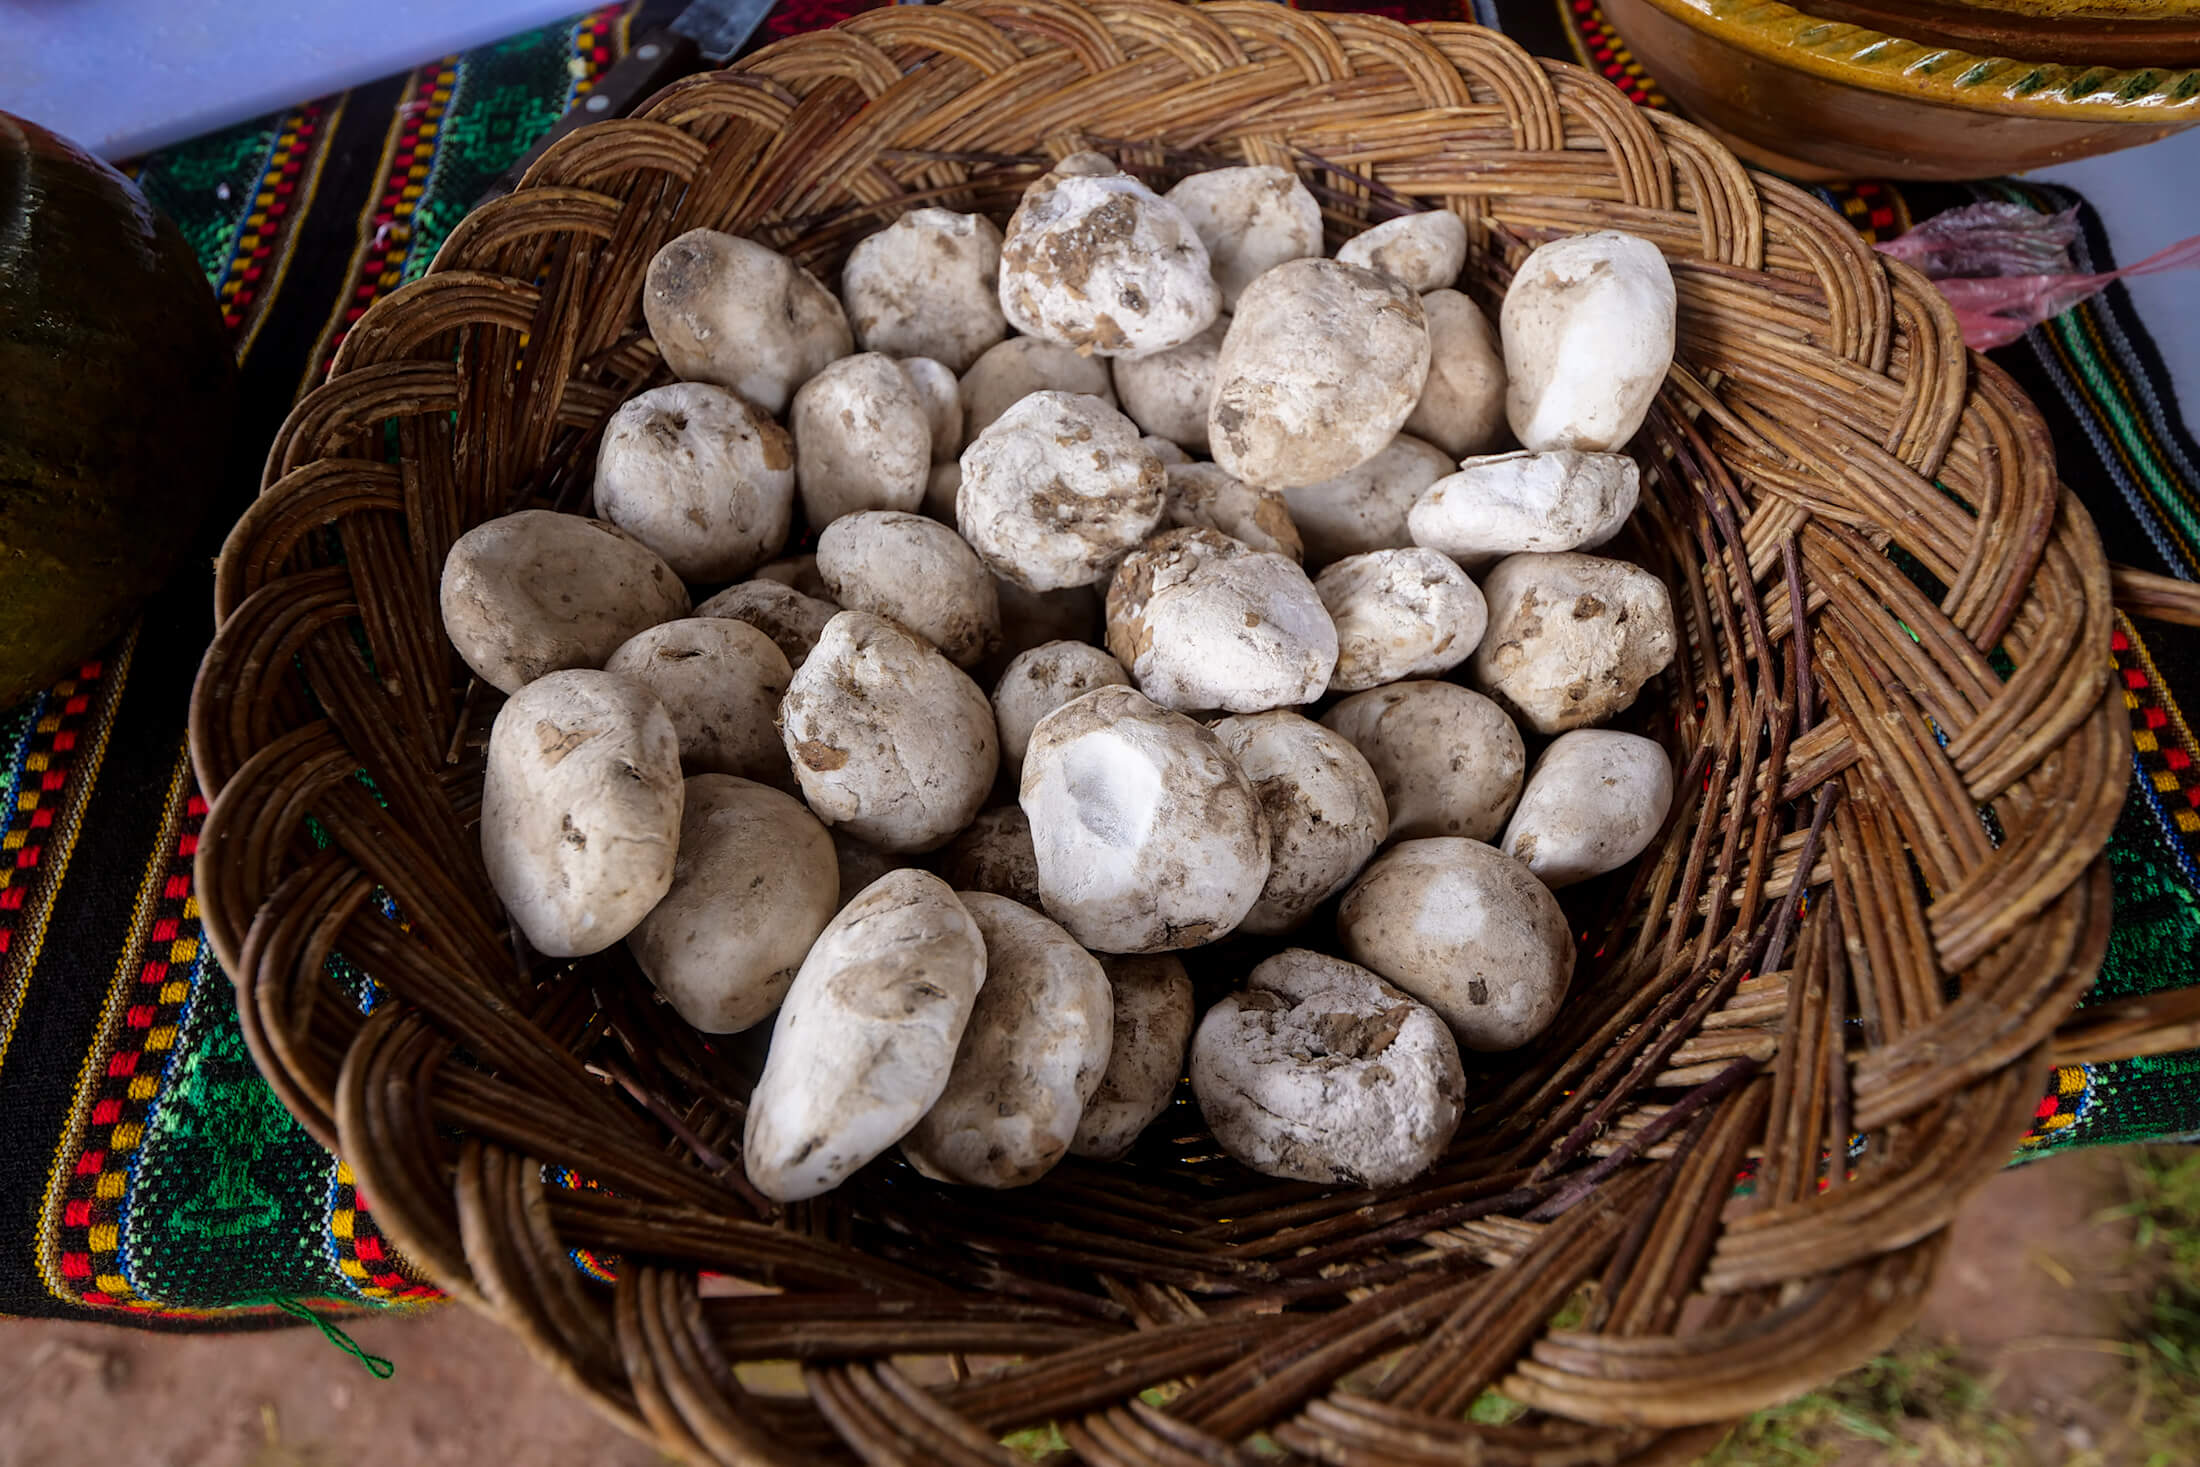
(1879, 894)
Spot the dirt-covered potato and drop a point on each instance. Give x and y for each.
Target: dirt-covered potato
(1448, 759)
(889, 739)
(580, 809)
(1572, 638)
(534, 592)
(1153, 1024)
(721, 681)
(1319, 1071)
(1168, 452)
(939, 393)
(798, 571)
(1206, 497)
(866, 1037)
(1202, 621)
(1588, 332)
(1467, 930)
(1020, 366)
(1251, 219)
(1149, 837)
(861, 440)
(699, 476)
(1324, 808)
(1056, 490)
(731, 312)
(792, 620)
(1030, 1059)
(1426, 250)
(1166, 392)
(752, 886)
(1593, 803)
(927, 285)
(1364, 508)
(1319, 369)
(1041, 680)
(1095, 260)
(1509, 502)
(1462, 408)
(1399, 614)
(917, 572)
(993, 855)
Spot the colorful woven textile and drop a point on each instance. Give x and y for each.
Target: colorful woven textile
(148, 1175)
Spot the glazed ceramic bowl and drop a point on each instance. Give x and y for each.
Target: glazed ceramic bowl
(1820, 98)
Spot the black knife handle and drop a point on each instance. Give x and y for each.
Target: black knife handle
(657, 59)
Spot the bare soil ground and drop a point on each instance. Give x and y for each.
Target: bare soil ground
(2029, 1323)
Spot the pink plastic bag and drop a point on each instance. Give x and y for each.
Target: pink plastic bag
(2006, 268)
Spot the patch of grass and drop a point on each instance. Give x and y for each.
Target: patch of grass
(1915, 1405)
(2165, 1208)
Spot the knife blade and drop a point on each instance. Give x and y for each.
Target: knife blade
(707, 32)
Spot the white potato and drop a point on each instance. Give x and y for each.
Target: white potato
(1166, 392)
(1201, 622)
(753, 885)
(867, 1036)
(699, 476)
(1399, 614)
(1324, 808)
(1094, 259)
(1588, 331)
(1509, 502)
(730, 312)
(1030, 1059)
(1251, 219)
(1319, 1071)
(1149, 837)
(994, 855)
(1056, 490)
(1319, 369)
(1426, 250)
(1020, 366)
(1462, 409)
(1467, 930)
(927, 285)
(939, 392)
(531, 593)
(1205, 497)
(1040, 680)
(792, 620)
(1448, 759)
(1572, 638)
(1594, 802)
(888, 738)
(1364, 508)
(917, 572)
(860, 440)
(1169, 454)
(580, 809)
(1153, 1025)
(721, 681)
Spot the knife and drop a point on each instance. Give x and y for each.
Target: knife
(707, 33)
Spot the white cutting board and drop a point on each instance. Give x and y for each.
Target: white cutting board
(122, 77)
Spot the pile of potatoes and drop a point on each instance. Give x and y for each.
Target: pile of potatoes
(1170, 581)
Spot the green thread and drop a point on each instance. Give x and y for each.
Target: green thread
(377, 1366)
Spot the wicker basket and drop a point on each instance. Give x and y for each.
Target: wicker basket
(1879, 896)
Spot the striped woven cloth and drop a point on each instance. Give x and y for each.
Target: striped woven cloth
(148, 1175)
